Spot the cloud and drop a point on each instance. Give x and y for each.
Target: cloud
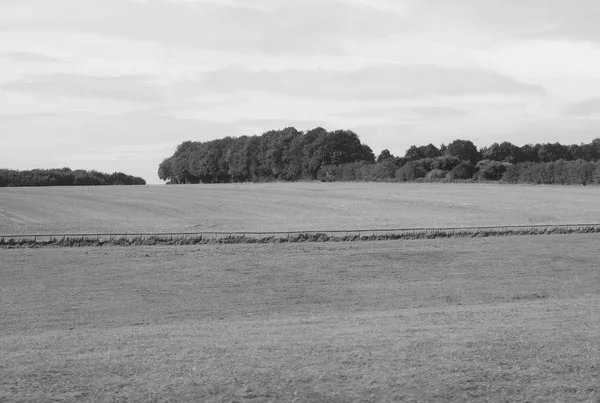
(29, 57)
(584, 109)
(324, 25)
(310, 26)
(437, 111)
(405, 113)
(570, 20)
(155, 21)
(135, 88)
(381, 81)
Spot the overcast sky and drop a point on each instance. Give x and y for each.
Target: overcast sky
(116, 85)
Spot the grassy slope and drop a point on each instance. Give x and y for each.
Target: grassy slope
(289, 206)
(503, 319)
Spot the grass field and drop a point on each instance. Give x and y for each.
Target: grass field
(289, 206)
(452, 320)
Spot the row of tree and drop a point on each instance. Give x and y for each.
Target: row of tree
(290, 155)
(286, 154)
(448, 168)
(65, 177)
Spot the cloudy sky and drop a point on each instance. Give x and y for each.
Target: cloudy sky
(116, 85)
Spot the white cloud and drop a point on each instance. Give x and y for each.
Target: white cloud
(585, 108)
(405, 112)
(381, 81)
(550, 19)
(29, 57)
(128, 88)
(399, 72)
(277, 27)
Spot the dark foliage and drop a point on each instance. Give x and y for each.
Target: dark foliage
(290, 155)
(286, 154)
(491, 170)
(414, 170)
(445, 163)
(561, 172)
(464, 170)
(64, 177)
(504, 152)
(463, 150)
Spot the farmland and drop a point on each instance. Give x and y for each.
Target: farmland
(289, 206)
(500, 319)
(511, 318)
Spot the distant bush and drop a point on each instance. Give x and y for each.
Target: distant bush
(65, 177)
(414, 170)
(558, 172)
(464, 170)
(327, 173)
(464, 150)
(491, 170)
(382, 171)
(445, 163)
(436, 174)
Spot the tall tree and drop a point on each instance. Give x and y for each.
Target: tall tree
(464, 150)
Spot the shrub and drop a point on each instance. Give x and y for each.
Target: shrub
(464, 150)
(377, 172)
(327, 173)
(464, 170)
(414, 170)
(437, 174)
(445, 163)
(491, 170)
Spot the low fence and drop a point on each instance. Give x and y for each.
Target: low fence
(142, 238)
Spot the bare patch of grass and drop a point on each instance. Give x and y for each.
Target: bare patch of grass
(531, 296)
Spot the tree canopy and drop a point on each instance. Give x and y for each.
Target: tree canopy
(286, 154)
(290, 154)
(65, 177)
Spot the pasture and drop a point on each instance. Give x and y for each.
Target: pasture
(452, 320)
(302, 206)
(512, 318)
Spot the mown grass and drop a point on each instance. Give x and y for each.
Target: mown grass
(289, 207)
(471, 319)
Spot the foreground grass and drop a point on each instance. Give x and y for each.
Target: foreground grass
(289, 207)
(503, 319)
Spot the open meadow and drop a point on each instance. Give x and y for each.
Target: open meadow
(466, 319)
(301, 206)
(505, 318)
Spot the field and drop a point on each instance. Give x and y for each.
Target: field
(512, 318)
(289, 206)
(496, 319)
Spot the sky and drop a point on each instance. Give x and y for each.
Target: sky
(116, 85)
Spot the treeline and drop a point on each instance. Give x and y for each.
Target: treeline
(461, 160)
(65, 177)
(447, 169)
(290, 155)
(286, 155)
